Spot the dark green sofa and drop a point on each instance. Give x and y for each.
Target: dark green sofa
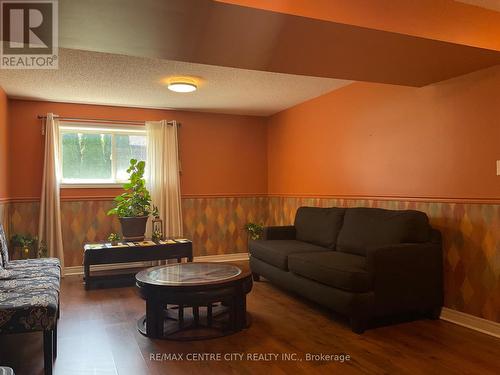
(364, 263)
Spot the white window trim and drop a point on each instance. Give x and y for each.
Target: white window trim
(90, 185)
(69, 127)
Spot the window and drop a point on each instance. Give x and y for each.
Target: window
(97, 154)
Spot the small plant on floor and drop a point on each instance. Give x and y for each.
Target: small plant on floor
(26, 244)
(114, 238)
(254, 230)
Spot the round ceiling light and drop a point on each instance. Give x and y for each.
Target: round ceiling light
(182, 86)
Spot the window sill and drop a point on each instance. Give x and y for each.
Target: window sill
(92, 186)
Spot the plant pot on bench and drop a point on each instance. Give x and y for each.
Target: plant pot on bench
(133, 207)
(133, 228)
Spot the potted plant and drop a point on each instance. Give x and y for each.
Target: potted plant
(114, 238)
(134, 205)
(254, 230)
(26, 244)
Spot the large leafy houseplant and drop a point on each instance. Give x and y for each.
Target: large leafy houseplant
(133, 207)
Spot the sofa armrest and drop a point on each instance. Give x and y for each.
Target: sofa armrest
(279, 233)
(407, 276)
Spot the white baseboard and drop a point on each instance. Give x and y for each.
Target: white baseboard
(470, 321)
(78, 270)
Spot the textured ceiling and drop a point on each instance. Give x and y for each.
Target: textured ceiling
(101, 78)
(488, 4)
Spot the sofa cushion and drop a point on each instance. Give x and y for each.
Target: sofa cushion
(5, 274)
(276, 252)
(339, 270)
(34, 263)
(319, 226)
(28, 309)
(24, 284)
(34, 273)
(30, 278)
(374, 227)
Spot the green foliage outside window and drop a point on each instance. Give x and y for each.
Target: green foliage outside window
(72, 155)
(89, 156)
(94, 162)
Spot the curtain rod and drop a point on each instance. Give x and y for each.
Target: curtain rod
(41, 117)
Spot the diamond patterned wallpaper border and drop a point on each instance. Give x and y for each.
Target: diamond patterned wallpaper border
(214, 224)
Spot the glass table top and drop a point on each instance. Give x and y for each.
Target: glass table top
(189, 273)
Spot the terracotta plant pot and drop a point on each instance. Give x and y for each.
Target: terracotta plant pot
(133, 228)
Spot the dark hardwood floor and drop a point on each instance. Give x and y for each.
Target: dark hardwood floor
(98, 335)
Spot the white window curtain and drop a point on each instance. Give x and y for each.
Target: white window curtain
(162, 168)
(49, 224)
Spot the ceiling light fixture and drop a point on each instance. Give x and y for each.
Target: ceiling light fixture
(182, 86)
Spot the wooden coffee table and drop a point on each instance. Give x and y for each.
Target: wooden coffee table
(193, 301)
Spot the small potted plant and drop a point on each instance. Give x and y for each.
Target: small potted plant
(156, 235)
(114, 238)
(134, 205)
(254, 230)
(26, 244)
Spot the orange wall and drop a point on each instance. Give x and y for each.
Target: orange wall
(445, 20)
(220, 154)
(4, 149)
(366, 139)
